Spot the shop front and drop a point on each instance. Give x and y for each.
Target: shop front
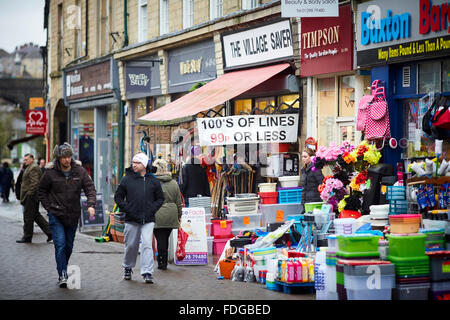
(91, 92)
(410, 58)
(333, 85)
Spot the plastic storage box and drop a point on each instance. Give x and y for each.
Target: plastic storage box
(406, 245)
(309, 207)
(219, 244)
(210, 244)
(272, 213)
(405, 223)
(246, 205)
(360, 279)
(440, 290)
(267, 187)
(358, 243)
(290, 195)
(268, 197)
(221, 227)
(245, 221)
(289, 181)
(332, 242)
(417, 291)
(440, 265)
(344, 226)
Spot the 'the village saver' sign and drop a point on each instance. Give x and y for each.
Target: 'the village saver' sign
(219, 131)
(327, 44)
(266, 43)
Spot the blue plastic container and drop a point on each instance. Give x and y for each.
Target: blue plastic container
(396, 193)
(398, 207)
(290, 195)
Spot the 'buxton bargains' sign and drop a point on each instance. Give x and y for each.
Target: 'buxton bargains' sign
(327, 44)
(266, 43)
(219, 131)
(402, 30)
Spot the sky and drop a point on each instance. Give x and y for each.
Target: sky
(21, 21)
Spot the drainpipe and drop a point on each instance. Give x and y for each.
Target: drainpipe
(125, 23)
(122, 103)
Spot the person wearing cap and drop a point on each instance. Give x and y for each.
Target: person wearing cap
(29, 199)
(194, 180)
(169, 215)
(139, 196)
(60, 194)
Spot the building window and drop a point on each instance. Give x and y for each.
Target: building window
(289, 101)
(77, 28)
(346, 107)
(188, 13)
(142, 20)
(429, 77)
(215, 9)
(164, 16)
(60, 36)
(326, 111)
(446, 76)
(249, 4)
(242, 106)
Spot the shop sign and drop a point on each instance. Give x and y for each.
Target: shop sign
(193, 223)
(138, 79)
(277, 128)
(191, 64)
(272, 42)
(327, 44)
(402, 30)
(36, 121)
(36, 102)
(89, 81)
(309, 8)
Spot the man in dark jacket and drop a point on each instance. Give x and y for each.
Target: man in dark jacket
(139, 196)
(60, 193)
(29, 200)
(7, 181)
(194, 180)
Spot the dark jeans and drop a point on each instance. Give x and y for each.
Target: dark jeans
(63, 238)
(31, 215)
(162, 243)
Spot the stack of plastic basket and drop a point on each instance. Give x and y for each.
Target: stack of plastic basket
(412, 266)
(290, 195)
(330, 268)
(396, 195)
(366, 279)
(319, 276)
(243, 211)
(440, 274)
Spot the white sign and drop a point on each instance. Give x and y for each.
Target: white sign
(219, 131)
(265, 43)
(194, 224)
(309, 8)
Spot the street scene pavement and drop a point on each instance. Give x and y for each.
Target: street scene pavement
(29, 271)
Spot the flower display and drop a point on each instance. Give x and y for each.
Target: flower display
(349, 165)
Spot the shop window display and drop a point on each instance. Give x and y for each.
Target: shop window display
(446, 76)
(429, 77)
(346, 96)
(326, 110)
(83, 129)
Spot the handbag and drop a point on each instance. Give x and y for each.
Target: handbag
(441, 118)
(181, 244)
(377, 124)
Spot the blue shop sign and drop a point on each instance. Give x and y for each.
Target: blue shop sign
(393, 27)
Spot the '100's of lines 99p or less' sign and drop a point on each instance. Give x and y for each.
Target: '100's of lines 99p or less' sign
(247, 129)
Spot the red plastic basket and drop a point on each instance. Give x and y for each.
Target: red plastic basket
(268, 197)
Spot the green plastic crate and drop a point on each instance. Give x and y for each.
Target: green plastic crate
(309, 207)
(358, 243)
(407, 246)
(362, 255)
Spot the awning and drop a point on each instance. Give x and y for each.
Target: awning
(212, 94)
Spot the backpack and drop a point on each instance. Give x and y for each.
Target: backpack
(363, 107)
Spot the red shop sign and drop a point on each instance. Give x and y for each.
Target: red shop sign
(36, 122)
(327, 44)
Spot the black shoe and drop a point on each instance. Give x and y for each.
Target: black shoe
(23, 240)
(127, 274)
(49, 238)
(148, 278)
(62, 280)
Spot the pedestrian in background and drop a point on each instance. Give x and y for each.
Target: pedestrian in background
(42, 164)
(310, 179)
(19, 183)
(30, 201)
(139, 196)
(60, 194)
(7, 181)
(169, 215)
(194, 180)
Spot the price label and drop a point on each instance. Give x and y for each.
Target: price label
(383, 189)
(223, 224)
(246, 220)
(219, 138)
(279, 217)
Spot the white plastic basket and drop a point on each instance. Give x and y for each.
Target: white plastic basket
(289, 181)
(241, 206)
(267, 187)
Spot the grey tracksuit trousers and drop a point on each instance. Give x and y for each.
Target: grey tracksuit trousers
(133, 232)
